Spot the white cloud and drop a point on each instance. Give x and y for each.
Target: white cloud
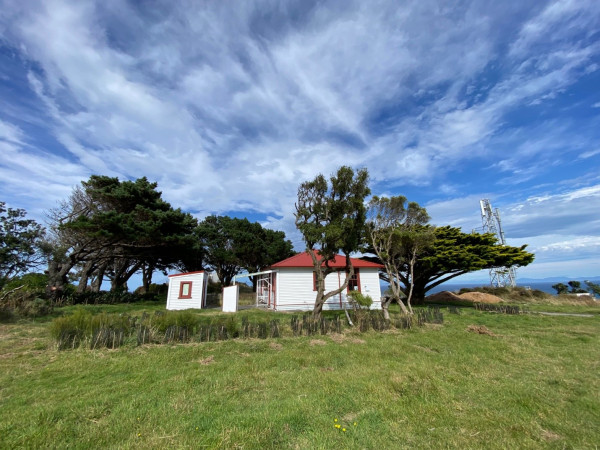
(10, 134)
(231, 108)
(589, 154)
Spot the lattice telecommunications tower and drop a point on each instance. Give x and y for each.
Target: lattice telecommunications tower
(499, 276)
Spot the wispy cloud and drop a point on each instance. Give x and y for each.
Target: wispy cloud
(230, 108)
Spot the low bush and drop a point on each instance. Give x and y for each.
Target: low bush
(360, 300)
(17, 303)
(182, 319)
(82, 328)
(109, 298)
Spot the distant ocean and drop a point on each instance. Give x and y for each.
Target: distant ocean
(541, 285)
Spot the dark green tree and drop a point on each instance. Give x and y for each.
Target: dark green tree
(576, 287)
(560, 288)
(115, 228)
(262, 247)
(593, 288)
(231, 244)
(20, 240)
(331, 217)
(220, 236)
(454, 253)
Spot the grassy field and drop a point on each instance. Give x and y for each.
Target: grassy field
(530, 382)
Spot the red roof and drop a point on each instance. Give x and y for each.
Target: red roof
(187, 273)
(303, 259)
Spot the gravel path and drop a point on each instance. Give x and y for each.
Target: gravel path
(563, 314)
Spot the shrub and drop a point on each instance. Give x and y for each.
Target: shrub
(101, 330)
(108, 298)
(36, 307)
(24, 303)
(360, 300)
(71, 331)
(182, 319)
(32, 281)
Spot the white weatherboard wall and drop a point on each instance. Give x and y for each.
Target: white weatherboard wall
(231, 295)
(198, 291)
(295, 288)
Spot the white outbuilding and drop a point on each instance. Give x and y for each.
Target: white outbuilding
(291, 284)
(187, 290)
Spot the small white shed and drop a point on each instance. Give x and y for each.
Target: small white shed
(187, 290)
(291, 284)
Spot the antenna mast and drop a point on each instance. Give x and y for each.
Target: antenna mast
(499, 276)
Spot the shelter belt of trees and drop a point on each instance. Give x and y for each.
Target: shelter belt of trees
(111, 229)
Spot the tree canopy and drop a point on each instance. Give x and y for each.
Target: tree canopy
(397, 237)
(453, 253)
(331, 217)
(20, 240)
(231, 244)
(115, 228)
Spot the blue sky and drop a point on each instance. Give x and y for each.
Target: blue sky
(230, 105)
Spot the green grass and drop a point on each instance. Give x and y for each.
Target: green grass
(533, 384)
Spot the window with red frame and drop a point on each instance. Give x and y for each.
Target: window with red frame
(185, 289)
(354, 282)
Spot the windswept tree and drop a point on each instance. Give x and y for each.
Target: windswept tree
(397, 237)
(576, 288)
(20, 240)
(453, 253)
(115, 228)
(593, 288)
(331, 217)
(560, 288)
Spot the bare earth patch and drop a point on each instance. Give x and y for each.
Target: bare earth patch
(317, 342)
(337, 338)
(550, 436)
(480, 329)
(481, 297)
(207, 361)
(357, 341)
(275, 346)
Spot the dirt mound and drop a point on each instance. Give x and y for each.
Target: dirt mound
(444, 297)
(466, 299)
(480, 297)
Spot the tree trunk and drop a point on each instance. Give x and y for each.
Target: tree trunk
(412, 284)
(147, 272)
(319, 302)
(57, 278)
(385, 304)
(254, 280)
(418, 294)
(98, 277)
(122, 274)
(85, 275)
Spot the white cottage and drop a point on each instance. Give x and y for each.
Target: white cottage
(187, 290)
(291, 284)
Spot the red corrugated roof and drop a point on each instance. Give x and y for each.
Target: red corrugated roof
(187, 273)
(303, 259)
